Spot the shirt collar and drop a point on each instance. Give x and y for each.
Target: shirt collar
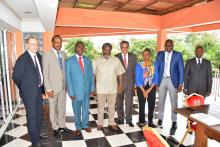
(197, 59)
(78, 56)
(31, 53)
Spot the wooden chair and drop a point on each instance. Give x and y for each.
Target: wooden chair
(153, 138)
(190, 101)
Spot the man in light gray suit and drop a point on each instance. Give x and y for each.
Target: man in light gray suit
(198, 75)
(54, 78)
(129, 62)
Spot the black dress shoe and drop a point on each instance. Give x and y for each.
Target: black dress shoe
(43, 135)
(130, 124)
(174, 126)
(38, 145)
(66, 130)
(119, 122)
(160, 122)
(152, 125)
(56, 133)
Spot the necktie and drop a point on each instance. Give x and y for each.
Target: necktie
(125, 61)
(60, 60)
(166, 67)
(37, 69)
(81, 64)
(198, 62)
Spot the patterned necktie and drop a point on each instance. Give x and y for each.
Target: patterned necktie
(37, 69)
(166, 67)
(60, 60)
(125, 61)
(81, 64)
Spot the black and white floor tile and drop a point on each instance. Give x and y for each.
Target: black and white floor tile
(16, 133)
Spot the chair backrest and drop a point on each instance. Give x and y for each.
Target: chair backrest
(153, 138)
(194, 100)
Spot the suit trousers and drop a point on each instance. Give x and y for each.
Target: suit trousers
(81, 112)
(127, 96)
(166, 85)
(151, 104)
(111, 98)
(33, 106)
(57, 108)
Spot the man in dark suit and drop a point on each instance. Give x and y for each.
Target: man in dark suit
(198, 75)
(171, 75)
(28, 77)
(129, 62)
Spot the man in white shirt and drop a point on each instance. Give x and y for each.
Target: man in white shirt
(28, 77)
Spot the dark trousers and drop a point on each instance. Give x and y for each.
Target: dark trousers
(151, 104)
(33, 106)
(127, 96)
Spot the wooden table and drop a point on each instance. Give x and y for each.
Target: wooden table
(203, 131)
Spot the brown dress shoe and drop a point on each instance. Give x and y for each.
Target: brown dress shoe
(88, 130)
(99, 127)
(78, 133)
(113, 127)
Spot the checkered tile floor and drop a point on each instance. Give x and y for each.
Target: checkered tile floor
(16, 133)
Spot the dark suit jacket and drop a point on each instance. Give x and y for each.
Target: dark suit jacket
(198, 79)
(176, 68)
(129, 75)
(25, 76)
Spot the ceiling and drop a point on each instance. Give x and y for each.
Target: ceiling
(155, 7)
(39, 14)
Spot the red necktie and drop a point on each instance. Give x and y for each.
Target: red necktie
(125, 62)
(81, 64)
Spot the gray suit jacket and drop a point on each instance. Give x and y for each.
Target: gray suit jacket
(198, 79)
(54, 76)
(129, 75)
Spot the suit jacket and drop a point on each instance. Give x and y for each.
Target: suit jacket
(198, 79)
(79, 84)
(176, 68)
(129, 75)
(54, 76)
(25, 76)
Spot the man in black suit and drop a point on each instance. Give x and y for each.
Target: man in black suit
(198, 75)
(28, 77)
(129, 62)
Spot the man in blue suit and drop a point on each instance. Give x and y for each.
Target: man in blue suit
(171, 76)
(80, 84)
(28, 77)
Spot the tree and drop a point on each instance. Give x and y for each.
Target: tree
(138, 46)
(89, 51)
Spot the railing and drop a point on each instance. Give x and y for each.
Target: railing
(216, 83)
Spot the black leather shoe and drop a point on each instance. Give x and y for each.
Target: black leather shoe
(152, 125)
(174, 126)
(160, 122)
(38, 145)
(130, 124)
(56, 133)
(119, 122)
(66, 130)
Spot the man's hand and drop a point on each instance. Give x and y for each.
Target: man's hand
(120, 89)
(180, 88)
(73, 97)
(50, 93)
(185, 91)
(92, 94)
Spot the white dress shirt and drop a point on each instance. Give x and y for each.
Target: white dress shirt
(197, 60)
(78, 58)
(124, 57)
(168, 57)
(38, 64)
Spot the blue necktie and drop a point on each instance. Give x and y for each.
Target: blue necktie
(60, 60)
(37, 69)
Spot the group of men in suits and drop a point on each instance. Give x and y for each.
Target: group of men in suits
(112, 77)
